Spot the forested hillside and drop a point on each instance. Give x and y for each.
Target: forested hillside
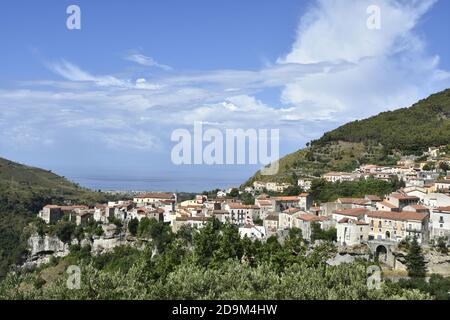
(381, 139)
(23, 192)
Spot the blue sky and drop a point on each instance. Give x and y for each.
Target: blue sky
(101, 103)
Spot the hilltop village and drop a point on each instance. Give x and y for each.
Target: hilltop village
(420, 209)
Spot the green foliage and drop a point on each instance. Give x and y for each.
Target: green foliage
(324, 191)
(415, 261)
(216, 265)
(318, 234)
(442, 246)
(133, 226)
(410, 130)
(437, 286)
(64, 230)
(23, 192)
(293, 190)
(444, 166)
(159, 232)
(247, 198)
(234, 193)
(121, 259)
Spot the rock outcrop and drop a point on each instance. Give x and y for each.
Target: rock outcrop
(42, 248)
(45, 245)
(349, 255)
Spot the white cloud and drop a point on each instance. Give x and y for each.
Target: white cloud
(337, 70)
(72, 72)
(391, 68)
(147, 61)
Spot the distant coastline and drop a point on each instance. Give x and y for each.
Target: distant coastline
(169, 184)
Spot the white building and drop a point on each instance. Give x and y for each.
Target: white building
(304, 222)
(241, 214)
(194, 222)
(253, 232)
(352, 232)
(287, 218)
(442, 185)
(396, 226)
(154, 198)
(305, 184)
(440, 223)
(271, 223)
(339, 176)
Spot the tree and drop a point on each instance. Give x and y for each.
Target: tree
(185, 233)
(234, 193)
(206, 242)
(442, 246)
(133, 226)
(415, 261)
(64, 230)
(247, 198)
(318, 234)
(144, 227)
(429, 166)
(444, 166)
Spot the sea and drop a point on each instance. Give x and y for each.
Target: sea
(163, 184)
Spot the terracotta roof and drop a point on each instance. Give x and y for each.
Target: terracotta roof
(286, 198)
(373, 197)
(359, 201)
(356, 212)
(309, 217)
(445, 209)
(220, 212)
(265, 202)
(400, 196)
(52, 206)
(388, 204)
(398, 216)
(234, 205)
(272, 217)
(303, 195)
(291, 210)
(357, 222)
(68, 208)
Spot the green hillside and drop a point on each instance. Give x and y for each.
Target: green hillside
(23, 192)
(381, 139)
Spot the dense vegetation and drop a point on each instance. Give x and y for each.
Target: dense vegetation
(213, 263)
(381, 139)
(23, 192)
(324, 191)
(410, 130)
